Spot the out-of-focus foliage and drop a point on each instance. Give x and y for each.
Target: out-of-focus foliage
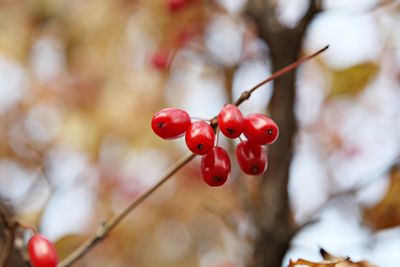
(78, 90)
(386, 213)
(330, 261)
(352, 80)
(80, 81)
(335, 263)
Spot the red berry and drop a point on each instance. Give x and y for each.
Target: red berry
(42, 252)
(260, 129)
(230, 121)
(170, 123)
(215, 167)
(161, 59)
(252, 158)
(176, 5)
(200, 137)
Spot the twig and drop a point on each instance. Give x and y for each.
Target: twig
(106, 227)
(246, 94)
(352, 191)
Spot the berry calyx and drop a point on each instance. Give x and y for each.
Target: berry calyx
(260, 129)
(170, 123)
(200, 137)
(230, 121)
(215, 167)
(251, 157)
(42, 252)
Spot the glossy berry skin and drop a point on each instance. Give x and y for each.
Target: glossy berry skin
(200, 137)
(260, 129)
(42, 252)
(170, 123)
(215, 167)
(230, 121)
(251, 157)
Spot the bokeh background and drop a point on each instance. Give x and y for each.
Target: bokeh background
(80, 81)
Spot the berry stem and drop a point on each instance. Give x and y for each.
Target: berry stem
(28, 227)
(107, 226)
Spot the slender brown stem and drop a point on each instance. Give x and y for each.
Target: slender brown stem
(246, 94)
(106, 227)
(28, 227)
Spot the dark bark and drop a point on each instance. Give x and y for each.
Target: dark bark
(9, 254)
(271, 212)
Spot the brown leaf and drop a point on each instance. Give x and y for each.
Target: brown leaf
(302, 262)
(330, 261)
(386, 213)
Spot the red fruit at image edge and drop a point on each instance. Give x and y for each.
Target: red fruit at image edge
(176, 5)
(251, 157)
(260, 129)
(170, 123)
(42, 252)
(230, 121)
(200, 137)
(215, 167)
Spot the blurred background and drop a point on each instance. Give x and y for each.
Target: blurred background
(80, 81)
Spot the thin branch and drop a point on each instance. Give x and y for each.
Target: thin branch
(247, 94)
(106, 227)
(352, 191)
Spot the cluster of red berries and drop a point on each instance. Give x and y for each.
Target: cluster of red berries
(171, 123)
(42, 252)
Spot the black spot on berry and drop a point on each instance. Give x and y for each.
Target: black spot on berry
(200, 146)
(269, 132)
(160, 124)
(230, 130)
(254, 169)
(218, 179)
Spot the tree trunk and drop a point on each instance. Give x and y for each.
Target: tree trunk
(271, 212)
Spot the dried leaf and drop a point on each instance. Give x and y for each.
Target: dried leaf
(353, 80)
(302, 262)
(330, 261)
(386, 213)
